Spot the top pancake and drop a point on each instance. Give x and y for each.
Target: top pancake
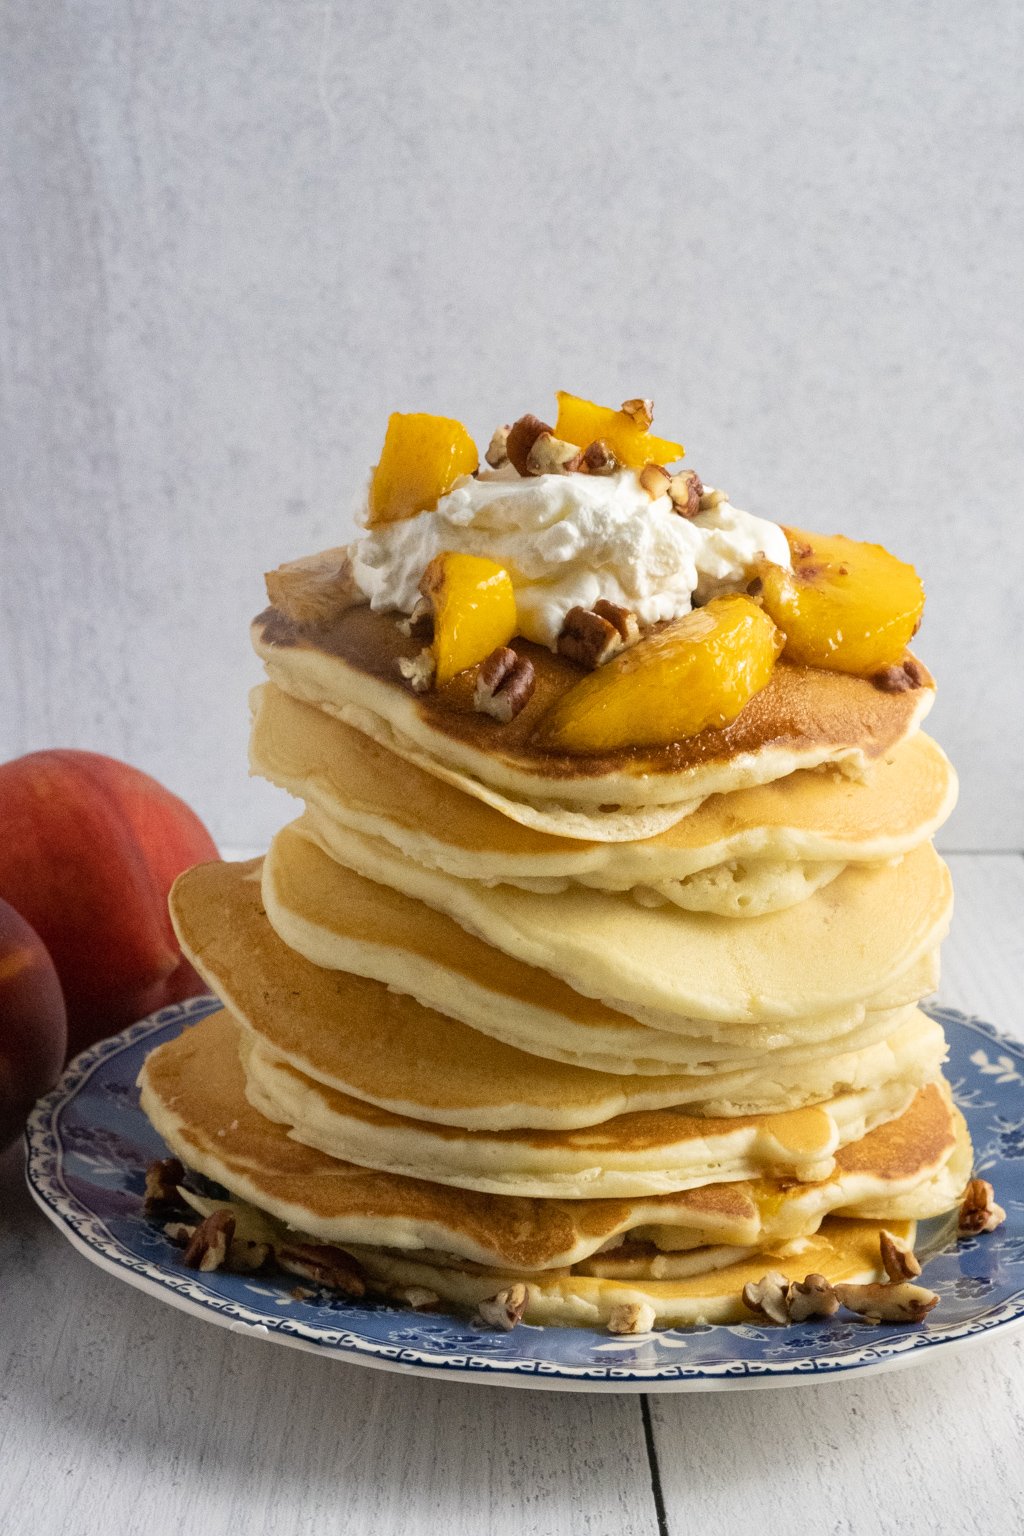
(809, 816)
(802, 718)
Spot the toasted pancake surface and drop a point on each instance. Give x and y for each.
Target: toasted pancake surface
(819, 815)
(193, 1090)
(359, 1037)
(639, 1153)
(802, 718)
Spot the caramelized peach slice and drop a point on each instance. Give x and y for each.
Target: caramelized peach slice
(474, 611)
(698, 671)
(846, 606)
(421, 460)
(625, 432)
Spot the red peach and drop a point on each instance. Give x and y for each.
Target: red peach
(33, 1024)
(89, 848)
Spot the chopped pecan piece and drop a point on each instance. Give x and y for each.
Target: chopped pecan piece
(504, 1310)
(655, 480)
(418, 670)
(811, 1297)
(685, 492)
(497, 448)
(521, 437)
(592, 636)
(419, 625)
(710, 499)
(888, 1303)
(632, 1317)
(162, 1180)
(639, 411)
(313, 591)
(624, 620)
(549, 455)
(768, 1297)
(900, 1263)
(598, 459)
(899, 679)
(246, 1257)
(420, 1297)
(979, 1211)
(208, 1246)
(504, 684)
(324, 1265)
(179, 1232)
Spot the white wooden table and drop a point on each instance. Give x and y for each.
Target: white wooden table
(120, 1415)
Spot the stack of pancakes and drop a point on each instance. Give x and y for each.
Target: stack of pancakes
(629, 1029)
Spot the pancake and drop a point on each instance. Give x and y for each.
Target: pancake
(915, 1166)
(807, 818)
(192, 1089)
(839, 947)
(357, 1036)
(741, 888)
(643, 1153)
(627, 1145)
(843, 1251)
(340, 921)
(803, 718)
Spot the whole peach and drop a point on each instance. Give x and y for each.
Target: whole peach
(33, 1024)
(89, 848)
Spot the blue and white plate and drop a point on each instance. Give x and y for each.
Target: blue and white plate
(89, 1144)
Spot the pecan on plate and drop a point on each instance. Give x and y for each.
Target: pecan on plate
(632, 1317)
(324, 1264)
(811, 1297)
(209, 1244)
(162, 1180)
(979, 1211)
(899, 1302)
(899, 1263)
(504, 1310)
(768, 1297)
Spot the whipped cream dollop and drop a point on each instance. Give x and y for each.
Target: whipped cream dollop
(568, 540)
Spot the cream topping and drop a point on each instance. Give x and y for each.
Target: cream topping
(568, 540)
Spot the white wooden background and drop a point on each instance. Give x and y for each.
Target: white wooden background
(233, 237)
(120, 1416)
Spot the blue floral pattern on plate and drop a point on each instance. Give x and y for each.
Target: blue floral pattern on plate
(89, 1144)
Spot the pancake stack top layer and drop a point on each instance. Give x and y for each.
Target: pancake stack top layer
(592, 963)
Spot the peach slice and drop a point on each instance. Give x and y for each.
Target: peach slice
(625, 432)
(697, 671)
(421, 460)
(845, 606)
(474, 611)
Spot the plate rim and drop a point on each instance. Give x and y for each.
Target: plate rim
(77, 1223)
